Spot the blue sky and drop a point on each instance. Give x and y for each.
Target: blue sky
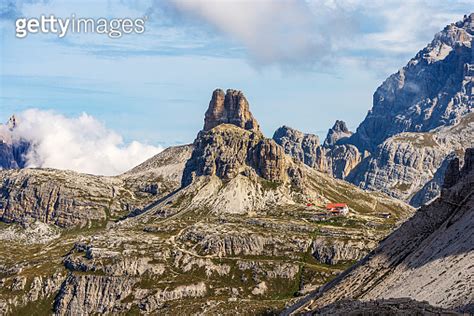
(300, 63)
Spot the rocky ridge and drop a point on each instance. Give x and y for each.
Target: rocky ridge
(415, 123)
(70, 199)
(404, 163)
(431, 91)
(143, 243)
(337, 160)
(429, 258)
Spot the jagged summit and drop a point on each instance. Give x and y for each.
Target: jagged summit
(432, 90)
(337, 132)
(229, 108)
(231, 144)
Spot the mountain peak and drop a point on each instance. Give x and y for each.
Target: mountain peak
(340, 126)
(337, 132)
(229, 108)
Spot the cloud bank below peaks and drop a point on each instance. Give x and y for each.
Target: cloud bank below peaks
(82, 144)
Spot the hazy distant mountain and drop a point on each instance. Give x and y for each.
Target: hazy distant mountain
(12, 152)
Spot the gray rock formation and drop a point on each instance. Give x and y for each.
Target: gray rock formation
(428, 258)
(337, 160)
(407, 162)
(231, 144)
(12, 152)
(303, 147)
(102, 294)
(415, 123)
(229, 108)
(50, 196)
(66, 198)
(432, 90)
(333, 252)
(337, 132)
(432, 188)
(395, 307)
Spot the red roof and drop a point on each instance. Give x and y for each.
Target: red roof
(335, 205)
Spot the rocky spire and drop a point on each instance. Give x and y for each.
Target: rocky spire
(229, 108)
(227, 151)
(338, 131)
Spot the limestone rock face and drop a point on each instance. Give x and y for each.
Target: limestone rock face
(67, 198)
(303, 147)
(429, 257)
(334, 252)
(231, 144)
(12, 156)
(432, 188)
(229, 108)
(101, 292)
(268, 159)
(227, 151)
(337, 132)
(343, 159)
(432, 90)
(337, 160)
(407, 162)
(420, 116)
(24, 195)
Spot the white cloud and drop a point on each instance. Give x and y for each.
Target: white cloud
(81, 144)
(323, 32)
(285, 31)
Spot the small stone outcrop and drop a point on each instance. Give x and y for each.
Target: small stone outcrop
(334, 251)
(337, 160)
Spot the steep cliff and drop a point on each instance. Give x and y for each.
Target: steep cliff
(336, 160)
(432, 90)
(229, 108)
(420, 116)
(406, 163)
(429, 258)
